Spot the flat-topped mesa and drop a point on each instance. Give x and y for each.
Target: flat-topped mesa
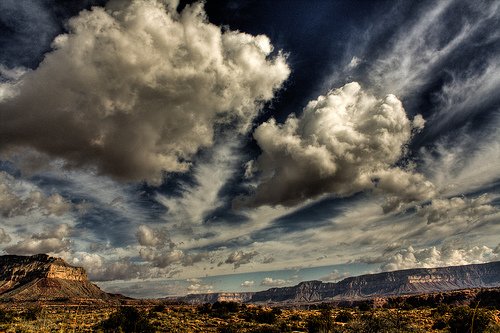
(41, 277)
(18, 268)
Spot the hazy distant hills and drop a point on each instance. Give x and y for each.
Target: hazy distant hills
(396, 283)
(40, 277)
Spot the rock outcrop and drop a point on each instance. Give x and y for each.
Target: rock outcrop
(45, 278)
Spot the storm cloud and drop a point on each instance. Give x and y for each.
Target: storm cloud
(137, 88)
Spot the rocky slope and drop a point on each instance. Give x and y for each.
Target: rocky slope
(41, 277)
(396, 283)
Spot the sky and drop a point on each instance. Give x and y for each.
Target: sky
(187, 147)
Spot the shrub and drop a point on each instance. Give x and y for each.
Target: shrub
(5, 317)
(320, 324)
(464, 319)
(266, 329)
(387, 322)
(439, 324)
(277, 311)
(128, 320)
(365, 306)
(205, 308)
(344, 316)
(158, 308)
(32, 313)
(229, 329)
(265, 317)
(223, 309)
(442, 309)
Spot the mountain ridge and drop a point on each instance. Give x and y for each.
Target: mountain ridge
(385, 284)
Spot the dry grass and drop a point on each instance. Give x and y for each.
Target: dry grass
(83, 318)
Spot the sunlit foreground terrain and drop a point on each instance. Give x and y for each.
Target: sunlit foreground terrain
(227, 317)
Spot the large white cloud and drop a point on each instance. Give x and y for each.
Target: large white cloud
(344, 142)
(137, 88)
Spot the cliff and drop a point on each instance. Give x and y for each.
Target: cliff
(41, 277)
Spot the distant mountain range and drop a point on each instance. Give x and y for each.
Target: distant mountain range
(387, 284)
(44, 278)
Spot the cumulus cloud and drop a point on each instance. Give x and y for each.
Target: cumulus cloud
(403, 186)
(238, 258)
(247, 284)
(335, 275)
(136, 88)
(458, 209)
(100, 269)
(171, 257)
(52, 241)
(447, 255)
(13, 202)
(270, 282)
(340, 145)
(147, 236)
(4, 236)
(198, 287)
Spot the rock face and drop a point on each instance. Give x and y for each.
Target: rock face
(217, 297)
(40, 277)
(397, 283)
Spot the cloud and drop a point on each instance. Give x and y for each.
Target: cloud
(403, 186)
(458, 209)
(247, 284)
(418, 48)
(238, 258)
(52, 241)
(455, 102)
(447, 255)
(199, 287)
(172, 257)
(459, 163)
(270, 282)
(210, 174)
(13, 202)
(147, 236)
(340, 144)
(137, 88)
(4, 236)
(100, 269)
(335, 275)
